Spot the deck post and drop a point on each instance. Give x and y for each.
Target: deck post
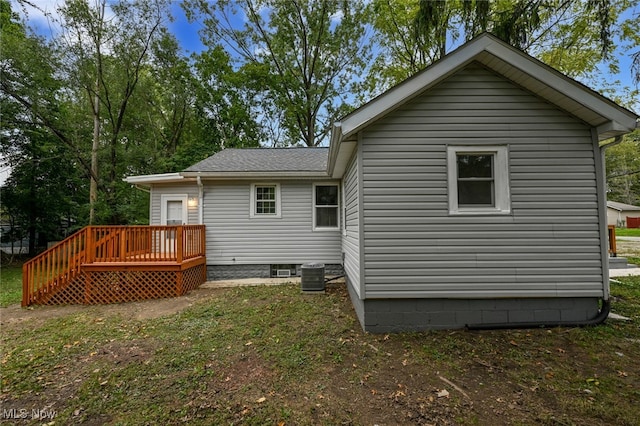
(122, 235)
(90, 244)
(179, 243)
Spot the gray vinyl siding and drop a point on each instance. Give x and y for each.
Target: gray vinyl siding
(234, 238)
(351, 237)
(548, 246)
(190, 190)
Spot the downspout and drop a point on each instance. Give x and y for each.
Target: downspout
(200, 200)
(602, 314)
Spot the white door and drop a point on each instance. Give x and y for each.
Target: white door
(173, 212)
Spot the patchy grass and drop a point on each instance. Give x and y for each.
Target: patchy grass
(10, 284)
(269, 355)
(627, 232)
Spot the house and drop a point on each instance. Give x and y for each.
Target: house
(623, 215)
(470, 195)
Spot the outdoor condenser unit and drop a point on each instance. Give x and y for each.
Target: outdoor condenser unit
(312, 277)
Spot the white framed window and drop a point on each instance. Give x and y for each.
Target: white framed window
(478, 180)
(265, 200)
(326, 207)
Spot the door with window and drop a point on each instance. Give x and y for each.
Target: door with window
(173, 212)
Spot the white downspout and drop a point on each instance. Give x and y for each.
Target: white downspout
(200, 200)
(616, 141)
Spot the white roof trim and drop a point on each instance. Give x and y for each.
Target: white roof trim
(158, 178)
(614, 117)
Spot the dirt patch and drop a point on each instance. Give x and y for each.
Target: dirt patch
(15, 315)
(627, 248)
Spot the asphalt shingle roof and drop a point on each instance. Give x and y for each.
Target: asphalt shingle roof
(621, 206)
(265, 160)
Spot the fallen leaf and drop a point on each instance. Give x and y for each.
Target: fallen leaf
(513, 343)
(261, 400)
(248, 343)
(622, 374)
(443, 393)
(593, 381)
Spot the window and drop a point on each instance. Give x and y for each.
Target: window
(325, 207)
(173, 209)
(265, 200)
(478, 180)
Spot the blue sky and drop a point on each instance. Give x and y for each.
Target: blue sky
(187, 34)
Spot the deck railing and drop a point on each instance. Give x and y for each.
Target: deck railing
(54, 267)
(57, 267)
(145, 243)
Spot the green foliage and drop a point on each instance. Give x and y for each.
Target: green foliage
(573, 36)
(297, 58)
(623, 170)
(156, 111)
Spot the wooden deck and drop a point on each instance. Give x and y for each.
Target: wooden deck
(112, 264)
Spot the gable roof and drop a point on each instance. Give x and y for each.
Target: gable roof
(621, 206)
(263, 161)
(607, 117)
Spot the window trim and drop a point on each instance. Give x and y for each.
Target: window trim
(253, 203)
(502, 195)
(314, 207)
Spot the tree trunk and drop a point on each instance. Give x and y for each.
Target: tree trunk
(93, 187)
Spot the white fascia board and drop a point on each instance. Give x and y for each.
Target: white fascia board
(150, 179)
(343, 156)
(623, 120)
(334, 146)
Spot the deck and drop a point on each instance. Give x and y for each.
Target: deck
(113, 264)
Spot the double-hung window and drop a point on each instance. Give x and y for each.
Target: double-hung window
(478, 179)
(265, 200)
(326, 207)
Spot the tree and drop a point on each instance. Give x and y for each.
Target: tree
(623, 170)
(105, 58)
(297, 57)
(574, 36)
(42, 189)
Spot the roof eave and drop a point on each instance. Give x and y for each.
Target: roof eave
(257, 175)
(613, 119)
(156, 178)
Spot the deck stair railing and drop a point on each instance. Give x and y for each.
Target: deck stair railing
(55, 269)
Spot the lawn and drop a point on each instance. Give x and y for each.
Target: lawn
(270, 355)
(10, 284)
(627, 232)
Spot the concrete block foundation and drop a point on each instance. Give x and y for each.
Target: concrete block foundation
(399, 315)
